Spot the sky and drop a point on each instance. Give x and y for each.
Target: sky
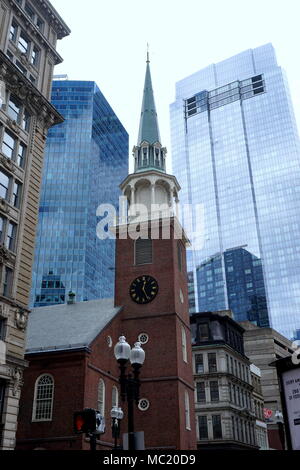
(108, 45)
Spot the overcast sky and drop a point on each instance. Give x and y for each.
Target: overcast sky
(108, 45)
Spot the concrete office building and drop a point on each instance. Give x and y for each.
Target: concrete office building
(29, 31)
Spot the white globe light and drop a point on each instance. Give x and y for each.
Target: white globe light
(137, 355)
(122, 349)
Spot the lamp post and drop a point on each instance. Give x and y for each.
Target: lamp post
(130, 384)
(116, 415)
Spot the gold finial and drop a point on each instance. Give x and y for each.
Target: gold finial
(148, 60)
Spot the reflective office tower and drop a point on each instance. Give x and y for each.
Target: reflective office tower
(235, 146)
(86, 157)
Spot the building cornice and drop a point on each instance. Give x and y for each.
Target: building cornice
(49, 13)
(35, 102)
(34, 30)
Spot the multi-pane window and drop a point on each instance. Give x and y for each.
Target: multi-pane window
(14, 109)
(34, 56)
(212, 362)
(101, 397)
(201, 397)
(23, 43)
(217, 426)
(4, 185)
(43, 402)
(214, 390)
(16, 194)
(13, 32)
(18, 113)
(11, 236)
(199, 366)
(7, 282)
(21, 155)
(8, 144)
(203, 329)
(29, 11)
(203, 429)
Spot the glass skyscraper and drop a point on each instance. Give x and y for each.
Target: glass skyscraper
(235, 149)
(86, 158)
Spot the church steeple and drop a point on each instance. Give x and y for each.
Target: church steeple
(149, 131)
(149, 153)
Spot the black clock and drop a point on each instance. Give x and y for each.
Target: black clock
(143, 289)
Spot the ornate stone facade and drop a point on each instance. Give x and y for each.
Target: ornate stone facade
(28, 35)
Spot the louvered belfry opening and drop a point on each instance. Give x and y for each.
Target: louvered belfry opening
(143, 251)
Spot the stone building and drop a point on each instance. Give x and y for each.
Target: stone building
(225, 418)
(28, 35)
(263, 346)
(258, 408)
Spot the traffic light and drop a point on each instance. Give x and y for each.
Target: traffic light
(88, 421)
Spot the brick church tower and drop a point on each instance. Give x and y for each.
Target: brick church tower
(151, 285)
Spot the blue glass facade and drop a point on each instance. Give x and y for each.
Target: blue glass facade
(236, 148)
(86, 158)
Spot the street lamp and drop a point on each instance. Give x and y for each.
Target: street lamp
(116, 415)
(130, 385)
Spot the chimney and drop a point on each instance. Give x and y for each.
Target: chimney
(72, 297)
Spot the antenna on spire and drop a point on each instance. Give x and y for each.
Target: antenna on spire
(148, 60)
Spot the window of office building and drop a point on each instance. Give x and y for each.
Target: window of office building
(7, 282)
(201, 397)
(212, 362)
(199, 366)
(203, 428)
(217, 426)
(214, 390)
(4, 185)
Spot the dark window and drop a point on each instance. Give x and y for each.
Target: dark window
(7, 284)
(214, 390)
(25, 120)
(16, 195)
(29, 11)
(2, 329)
(201, 398)
(217, 426)
(143, 251)
(21, 155)
(13, 32)
(35, 56)
(2, 395)
(203, 331)
(11, 236)
(203, 430)
(199, 366)
(212, 362)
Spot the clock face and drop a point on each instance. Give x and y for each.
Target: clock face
(143, 289)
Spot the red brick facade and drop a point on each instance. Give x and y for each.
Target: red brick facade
(165, 376)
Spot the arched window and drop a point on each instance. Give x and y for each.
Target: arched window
(187, 410)
(43, 398)
(143, 251)
(115, 396)
(183, 341)
(101, 397)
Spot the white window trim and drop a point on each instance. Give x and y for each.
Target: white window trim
(102, 411)
(33, 419)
